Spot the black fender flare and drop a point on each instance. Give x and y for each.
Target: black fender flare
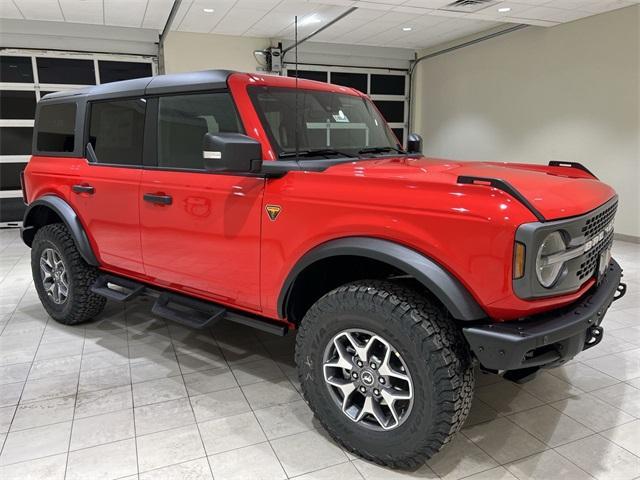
(68, 216)
(453, 295)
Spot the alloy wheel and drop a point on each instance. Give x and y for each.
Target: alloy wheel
(368, 379)
(53, 273)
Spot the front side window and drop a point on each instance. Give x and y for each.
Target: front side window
(325, 120)
(56, 127)
(183, 121)
(116, 131)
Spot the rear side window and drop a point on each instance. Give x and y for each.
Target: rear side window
(183, 121)
(116, 131)
(56, 128)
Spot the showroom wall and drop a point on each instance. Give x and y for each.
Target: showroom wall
(569, 92)
(185, 52)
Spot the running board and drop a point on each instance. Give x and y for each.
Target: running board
(126, 289)
(182, 309)
(187, 311)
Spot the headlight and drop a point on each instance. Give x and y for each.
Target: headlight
(548, 263)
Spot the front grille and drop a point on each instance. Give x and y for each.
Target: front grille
(596, 224)
(591, 228)
(591, 259)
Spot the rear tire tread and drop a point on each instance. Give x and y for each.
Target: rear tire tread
(85, 304)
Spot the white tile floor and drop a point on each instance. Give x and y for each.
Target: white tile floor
(130, 396)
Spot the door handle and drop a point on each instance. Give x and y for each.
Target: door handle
(83, 189)
(160, 199)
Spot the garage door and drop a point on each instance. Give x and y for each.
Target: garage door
(27, 75)
(387, 89)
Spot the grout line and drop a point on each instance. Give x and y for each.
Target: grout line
(75, 403)
(26, 379)
(133, 406)
(184, 384)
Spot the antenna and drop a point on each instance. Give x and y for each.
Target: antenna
(295, 127)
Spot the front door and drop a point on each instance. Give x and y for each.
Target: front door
(106, 195)
(200, 231)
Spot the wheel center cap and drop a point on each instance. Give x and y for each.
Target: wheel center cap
(367, 378)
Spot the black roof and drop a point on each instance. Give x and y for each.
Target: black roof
(176, 82)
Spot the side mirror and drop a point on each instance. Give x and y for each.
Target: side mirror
(231, 152)
(414, 143)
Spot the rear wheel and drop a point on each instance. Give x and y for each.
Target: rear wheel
(386, 372)
(62, 278)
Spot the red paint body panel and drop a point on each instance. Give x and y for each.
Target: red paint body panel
(189, 244)
(216, 241)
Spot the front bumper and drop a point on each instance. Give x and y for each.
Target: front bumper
(549, 339)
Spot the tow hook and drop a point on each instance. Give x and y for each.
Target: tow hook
(620, 291)
(594, 337)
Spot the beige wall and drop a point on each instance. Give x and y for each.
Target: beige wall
(187, 52)
(569, 92)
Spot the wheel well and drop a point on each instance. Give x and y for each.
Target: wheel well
(326, 274)
(39, 216)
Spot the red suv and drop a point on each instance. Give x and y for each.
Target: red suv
(285, 204)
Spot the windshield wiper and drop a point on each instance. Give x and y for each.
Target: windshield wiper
(380, 150)
(319, 152)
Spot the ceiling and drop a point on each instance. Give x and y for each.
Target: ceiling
(394, 23)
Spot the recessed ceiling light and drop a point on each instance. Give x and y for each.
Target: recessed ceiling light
(406, 29)
(208, 10)
(504, 10)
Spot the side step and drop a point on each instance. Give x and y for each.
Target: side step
(187, 311)
(126, 289)
(182, 309)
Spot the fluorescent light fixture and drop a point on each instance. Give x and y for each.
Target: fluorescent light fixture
(406, 29)
(208, 10)
(311, 19)
(504, 10)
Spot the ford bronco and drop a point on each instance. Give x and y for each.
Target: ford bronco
(289, 204)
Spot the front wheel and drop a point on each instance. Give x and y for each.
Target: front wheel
(386, 372)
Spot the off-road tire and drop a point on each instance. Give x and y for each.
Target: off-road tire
(81, 304)
(435, 353)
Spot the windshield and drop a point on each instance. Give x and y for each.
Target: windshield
(327, 123)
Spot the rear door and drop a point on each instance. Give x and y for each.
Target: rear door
(107, 193)
(200, 231)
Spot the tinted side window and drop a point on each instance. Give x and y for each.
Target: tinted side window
(183, 121)
(116, 131)
(56, 127)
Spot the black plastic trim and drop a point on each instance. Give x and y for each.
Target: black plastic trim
(560, 335)
(70, 219)
(576, 165)
(505, 187)
(434, 277)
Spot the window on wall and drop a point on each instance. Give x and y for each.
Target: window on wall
(184, 120)
(15, 69)
(116, 131)
(17, 104)
(112, 71)
(387, 89)
(309, 75)
(25, 77)
(353, 80)
(66, 71)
